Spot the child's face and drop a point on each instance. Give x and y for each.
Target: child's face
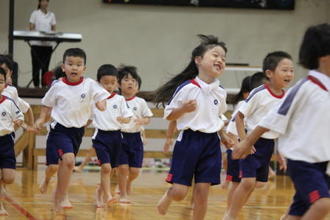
(109, 83)
(44, 3)
(213, 62)
(7, 70)
(283, 74)
(73, 68)
(2, 83)
(129, 85)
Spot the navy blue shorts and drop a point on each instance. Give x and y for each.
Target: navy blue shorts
(311, 183)
(62, 140)
(7, 152)
(107, 145)
(257, 164)
(196, 155)
(131, 151)
(232, 168)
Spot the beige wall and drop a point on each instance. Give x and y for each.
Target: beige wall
(159, 40)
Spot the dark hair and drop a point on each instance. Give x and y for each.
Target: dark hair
(257, 79)
(3, 72)
(315, 44)
(124, 71)
(58, 72)
(165, 92)
(4, 59)
(75, 52)
(272, 60)
(245, 87)
(39, 3)
(106, 70)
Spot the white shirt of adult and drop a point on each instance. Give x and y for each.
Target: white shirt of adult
(42, 22)
(9, 112)
(140, 109)
(71, 103)
(303, 120)
(211, 104)
(260, 101)
(107, 120)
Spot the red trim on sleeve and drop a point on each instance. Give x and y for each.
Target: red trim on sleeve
(3, 98)
(273, 94)
(317, 82)
(66, 81)
(195, 83)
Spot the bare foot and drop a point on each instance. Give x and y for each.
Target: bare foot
(66, 204)
(124, 200)
(77, 169)
(129, 188)
(111, 201)
(43, 187)
(99, 199)
(3, 211)
(163, 204)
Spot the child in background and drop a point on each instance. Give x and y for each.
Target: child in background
(278, 67)
(11, 116)
(107, 137)
(302, 119)
(131, 154)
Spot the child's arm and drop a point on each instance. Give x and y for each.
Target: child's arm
(240, 126)
(123, 120)
(43, 117)
(142, 121)
(171, 129)
(246, 145)
(226, 139)
(176, 113)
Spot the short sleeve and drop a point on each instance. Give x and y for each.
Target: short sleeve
(33, 17)
(16, 112)
(98, 92)
(175, 102)
(23, 105)
(249, 106)
(146, 112)
(50, 97)
(53, 20)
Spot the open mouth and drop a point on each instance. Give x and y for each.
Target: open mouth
(218, 67)
(287, 80)
(74, 73)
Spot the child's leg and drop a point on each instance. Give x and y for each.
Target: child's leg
(133, 174)
(123, 172)
(7, 177)
(49, 173)
(63, 178)
(318, 210)
(232, 189)
(240, 197)
(88, 158)
(200, 200)
(106, 183)
(177, 193)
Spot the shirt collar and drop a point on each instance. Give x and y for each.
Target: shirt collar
(205, 86)
(324, 79)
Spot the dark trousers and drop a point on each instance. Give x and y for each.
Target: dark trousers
(40, 61)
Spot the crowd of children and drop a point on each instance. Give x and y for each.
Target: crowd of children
(265, 113)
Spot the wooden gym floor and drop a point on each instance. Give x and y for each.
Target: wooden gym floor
(26, 202)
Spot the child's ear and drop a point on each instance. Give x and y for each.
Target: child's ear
(269, 74)
(198, 60)
(62, 67)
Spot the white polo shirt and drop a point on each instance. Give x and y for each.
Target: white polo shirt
(107, 120)
(8, 113)
(140, 109)
(71, 103)
(211, 104)
(303, 120)
(260, 101)
(42, 22)
(11, 92)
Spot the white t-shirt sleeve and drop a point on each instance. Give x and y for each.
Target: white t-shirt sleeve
(15, 112)
(50, 97)
(33, 17)
(53, 20)
(23, 105)
(249, 106)
(176, 102)
(146, 112)
(98, 92)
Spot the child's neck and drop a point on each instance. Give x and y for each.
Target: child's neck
(204, 77)
(128, 95)
(275, 89)
(44, 10)
(324, 70)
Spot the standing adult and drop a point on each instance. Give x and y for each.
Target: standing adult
(41, 51)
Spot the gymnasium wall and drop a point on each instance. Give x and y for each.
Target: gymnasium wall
(159, 40)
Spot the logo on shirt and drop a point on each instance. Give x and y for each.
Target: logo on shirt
(215, 102)
(82, 97)
(135, 108)
(115, 106)
(3, 114)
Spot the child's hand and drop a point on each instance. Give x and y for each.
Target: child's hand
(282, 161)
(167, 145)
(139, 121)
(101, 105)
(123, 120)
(17, 123)
(38, 125)
(226, 140)
(242, 150)
(189, 106)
